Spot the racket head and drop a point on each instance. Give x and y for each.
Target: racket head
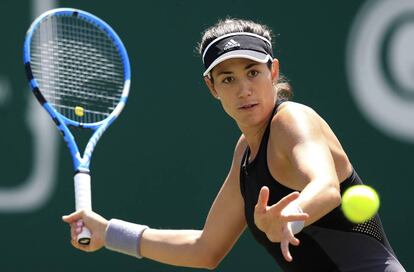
(78, 67)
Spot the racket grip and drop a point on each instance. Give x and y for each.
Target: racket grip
(83, 202)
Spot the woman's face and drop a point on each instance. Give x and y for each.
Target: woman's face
(245, 89)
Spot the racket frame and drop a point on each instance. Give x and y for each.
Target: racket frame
(81, 163)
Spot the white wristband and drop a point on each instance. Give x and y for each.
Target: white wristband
(124, 237)
(296, 226)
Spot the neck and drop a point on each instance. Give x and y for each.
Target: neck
(254, 134)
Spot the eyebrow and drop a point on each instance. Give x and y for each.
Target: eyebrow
(248, 66)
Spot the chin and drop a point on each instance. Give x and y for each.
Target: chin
(252, 119)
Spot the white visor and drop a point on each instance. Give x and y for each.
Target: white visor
(244, 54)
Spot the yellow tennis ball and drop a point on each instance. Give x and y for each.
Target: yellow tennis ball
(79, 111)
(360, 203)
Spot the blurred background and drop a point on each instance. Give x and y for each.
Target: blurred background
(163, 161)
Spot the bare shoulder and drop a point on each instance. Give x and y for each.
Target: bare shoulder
(239, 150)
(294, 106)
(295, 119)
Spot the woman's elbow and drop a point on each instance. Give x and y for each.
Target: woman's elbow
(211, 266)
(334, 196)
(211, 261)
(209, 257)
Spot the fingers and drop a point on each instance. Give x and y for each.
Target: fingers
(76, 226)
(79, 225)
(296, 217)
(294, 241)
(86, 219)
(75, 229)
(73, 232)
(279, 206)
(284, 246)
(263, 199)
(288, 238)
(85, 248)
(75, 216)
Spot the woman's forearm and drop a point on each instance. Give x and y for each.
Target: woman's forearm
(176, 247)
(318, 199)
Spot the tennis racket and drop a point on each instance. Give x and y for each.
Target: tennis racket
(78, 69)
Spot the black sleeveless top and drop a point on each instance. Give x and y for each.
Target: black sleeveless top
(330, 244)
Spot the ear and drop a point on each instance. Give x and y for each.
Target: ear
(275, 70)
(210, 86)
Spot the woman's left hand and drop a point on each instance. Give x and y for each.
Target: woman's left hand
(273, 221)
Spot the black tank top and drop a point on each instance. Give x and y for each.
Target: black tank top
(330, 244)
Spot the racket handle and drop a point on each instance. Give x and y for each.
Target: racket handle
(84, 238)
(83, 202)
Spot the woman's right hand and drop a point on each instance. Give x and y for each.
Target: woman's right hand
(94, 222)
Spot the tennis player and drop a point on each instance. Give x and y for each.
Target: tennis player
(285, 182)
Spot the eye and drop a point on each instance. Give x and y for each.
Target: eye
(228, 80)
(253, 73)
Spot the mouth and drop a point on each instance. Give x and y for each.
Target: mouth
(248, 106)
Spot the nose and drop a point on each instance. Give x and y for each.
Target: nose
(245, 89)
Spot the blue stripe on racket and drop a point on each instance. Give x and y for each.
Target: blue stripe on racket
(79, 71)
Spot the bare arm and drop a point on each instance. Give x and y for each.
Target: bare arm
(298, 145)
(192, 248)
(304, 146)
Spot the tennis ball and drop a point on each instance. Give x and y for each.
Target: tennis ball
(79, 111)
(360, 203)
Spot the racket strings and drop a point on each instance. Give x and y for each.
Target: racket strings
(77, 64)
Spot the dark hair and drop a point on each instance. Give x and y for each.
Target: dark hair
(231, 25)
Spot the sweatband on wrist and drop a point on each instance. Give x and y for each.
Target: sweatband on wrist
(124, 237)
(296, 226)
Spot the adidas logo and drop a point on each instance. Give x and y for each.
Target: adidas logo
(230, 44)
